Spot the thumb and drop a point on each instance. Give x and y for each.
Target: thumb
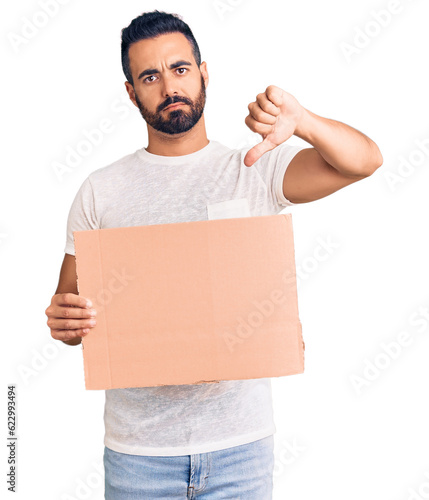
(257, 151)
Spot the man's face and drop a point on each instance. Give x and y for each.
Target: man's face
(164, 73)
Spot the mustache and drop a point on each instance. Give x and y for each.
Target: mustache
(172, 100)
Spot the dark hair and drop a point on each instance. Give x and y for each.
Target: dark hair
(151, 25)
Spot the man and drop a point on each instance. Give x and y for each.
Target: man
(210, 440)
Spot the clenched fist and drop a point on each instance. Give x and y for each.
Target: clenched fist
(70, 317)
(274, 115)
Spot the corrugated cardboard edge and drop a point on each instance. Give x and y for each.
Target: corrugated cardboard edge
(289, 219)
(89, 382)
(205, 382)
(104, 313)
(302, 345)
(77, 286)
(85, 372)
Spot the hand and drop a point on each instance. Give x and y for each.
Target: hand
(69, 316)
(275, 115)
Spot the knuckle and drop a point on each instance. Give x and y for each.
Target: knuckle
(253, 113)
(68, 325)
(69, 334)
(66, 298)
(50, 323)
(66, 312)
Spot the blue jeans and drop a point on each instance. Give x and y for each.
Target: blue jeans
(240, 473)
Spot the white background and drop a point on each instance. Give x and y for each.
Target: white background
(332, 441)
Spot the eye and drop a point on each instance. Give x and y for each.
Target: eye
(147, 78)
(183, 70)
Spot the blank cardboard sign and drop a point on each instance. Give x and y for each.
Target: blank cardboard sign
(191, 302)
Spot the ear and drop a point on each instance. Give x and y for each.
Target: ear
(203, 69)
(131, 93)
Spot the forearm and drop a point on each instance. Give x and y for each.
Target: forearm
(345, 148)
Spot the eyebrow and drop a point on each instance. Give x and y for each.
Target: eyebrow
(175, 65)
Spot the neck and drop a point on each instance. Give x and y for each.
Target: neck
(185, 143)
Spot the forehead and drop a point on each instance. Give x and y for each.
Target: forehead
(163, 49)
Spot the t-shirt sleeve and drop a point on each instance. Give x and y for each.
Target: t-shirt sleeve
(272, 167)
(82, 214)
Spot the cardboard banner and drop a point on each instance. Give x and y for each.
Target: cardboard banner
(191, 302)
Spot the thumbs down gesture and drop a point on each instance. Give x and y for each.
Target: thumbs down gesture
(275, 115)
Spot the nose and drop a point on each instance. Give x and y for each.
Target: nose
(169, 85)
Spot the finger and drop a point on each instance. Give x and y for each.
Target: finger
(260, 115)
(68, 334)
(69, 312)
(255, 126)
(74, 312)
(256, 152)
(71, 299)
(275, 95)
(267, 105)
(70, 324)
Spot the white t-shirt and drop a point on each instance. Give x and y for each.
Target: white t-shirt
(141, 189)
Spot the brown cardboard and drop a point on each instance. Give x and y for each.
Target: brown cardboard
(191, 302)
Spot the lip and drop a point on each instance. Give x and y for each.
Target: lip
(174, 105)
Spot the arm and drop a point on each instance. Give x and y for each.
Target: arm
(341, 154)
(69, 314)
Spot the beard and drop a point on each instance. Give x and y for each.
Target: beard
(178, 120)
